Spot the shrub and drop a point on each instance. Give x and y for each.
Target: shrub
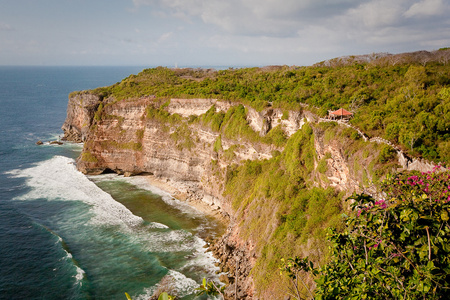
(387, 153)
(322, 166)
(88, 157)
(218, 144)
(395, 248)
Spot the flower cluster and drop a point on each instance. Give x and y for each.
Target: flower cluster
(380, 204)
(434, 184)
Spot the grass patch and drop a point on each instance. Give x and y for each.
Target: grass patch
(136, 146)
(88, 157)
(218, 144)
(322, 166)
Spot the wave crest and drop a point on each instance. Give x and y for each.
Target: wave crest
(58, 179)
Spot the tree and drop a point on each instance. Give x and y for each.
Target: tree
(416, 75)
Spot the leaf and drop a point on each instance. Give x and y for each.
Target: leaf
(128, 296)
(163, 296)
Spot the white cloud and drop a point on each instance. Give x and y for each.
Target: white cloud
(164, 37)
(253, 17)
(426, 8)
(295, 28)
(376, 14)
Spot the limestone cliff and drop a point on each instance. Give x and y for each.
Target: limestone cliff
(174, 140)
(80, 113)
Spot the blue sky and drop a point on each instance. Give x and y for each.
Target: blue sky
(215, 32)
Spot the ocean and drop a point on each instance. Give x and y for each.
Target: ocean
(64, 235)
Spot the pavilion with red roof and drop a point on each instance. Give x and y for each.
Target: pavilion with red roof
(340, 114)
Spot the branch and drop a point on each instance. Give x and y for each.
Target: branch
(218, 290)
(365, 250)
(400, 252)
(395, 278)
(429, 243)
(348, 260)
(304, 284)
(439, 231)
(404, 256)
(295, 284)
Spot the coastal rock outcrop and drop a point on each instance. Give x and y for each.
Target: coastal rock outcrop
(80, 113)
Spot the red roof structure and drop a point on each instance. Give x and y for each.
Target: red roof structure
(341, 112)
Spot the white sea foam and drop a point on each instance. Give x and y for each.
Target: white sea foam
(177, 282)
(184, 285)
(166, 241)
(157, 225)
(58, 179)
(204, 259)
(148, 292)
(80, 272)
(79, 277)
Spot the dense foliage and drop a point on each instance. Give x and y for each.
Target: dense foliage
(407, 103)
(396, 248)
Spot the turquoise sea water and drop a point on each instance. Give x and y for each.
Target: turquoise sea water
(67, 236)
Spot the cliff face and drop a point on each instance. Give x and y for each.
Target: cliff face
(147, 136)
(123, 139)
(80, 113)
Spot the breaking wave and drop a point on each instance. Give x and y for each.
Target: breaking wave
(58, 179)
(80, 273)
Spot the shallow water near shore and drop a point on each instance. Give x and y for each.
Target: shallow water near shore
(66, 236)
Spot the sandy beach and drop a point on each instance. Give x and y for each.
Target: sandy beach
(178, 190)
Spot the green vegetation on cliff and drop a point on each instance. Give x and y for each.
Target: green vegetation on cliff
(407, 103)
(234, 125)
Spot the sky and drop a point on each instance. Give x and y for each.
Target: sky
(203, 33)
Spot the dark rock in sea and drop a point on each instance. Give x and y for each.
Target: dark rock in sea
(39, 143)
(56, 143)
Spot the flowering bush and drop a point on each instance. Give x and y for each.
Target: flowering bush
(395, 248)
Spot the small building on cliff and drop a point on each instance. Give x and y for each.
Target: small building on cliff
(340, 114)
